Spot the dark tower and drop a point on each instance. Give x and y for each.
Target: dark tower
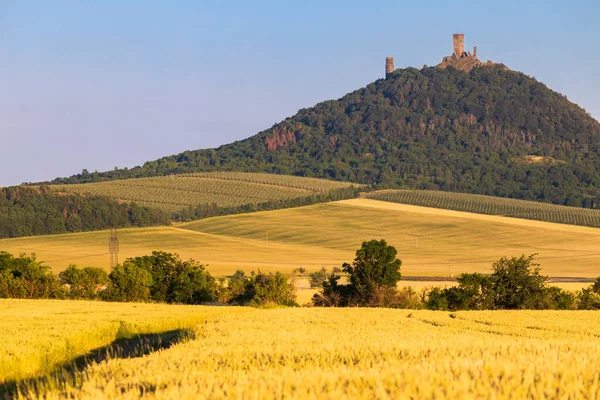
(389, 66)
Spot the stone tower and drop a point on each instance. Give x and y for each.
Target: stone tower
(389, 66)
(458, 43)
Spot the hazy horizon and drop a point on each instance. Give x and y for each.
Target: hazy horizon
(101, 85)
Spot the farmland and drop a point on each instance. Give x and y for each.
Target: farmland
(430, 242)
(225, 189)
(333, 353)
(490, 205)
(38, 335)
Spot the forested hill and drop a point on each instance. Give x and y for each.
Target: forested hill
(488, 131)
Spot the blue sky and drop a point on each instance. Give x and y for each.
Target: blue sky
(115, 83)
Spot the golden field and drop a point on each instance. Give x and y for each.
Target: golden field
(430, 242)
(335, 353)
(38, 335)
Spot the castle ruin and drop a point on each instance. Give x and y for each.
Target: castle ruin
(460, 59)
(458, 47)
(389, 66)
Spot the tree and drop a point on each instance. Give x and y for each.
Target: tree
(317, 278)
(128, 282)
(194, 285)
(175, 280)
(11, 287)
(74, 223)
(262, 289)
(373, 278)
(517, 283)
(84, 283)
(589, 298)
(234, 291)
(375, 266)
(35, 278)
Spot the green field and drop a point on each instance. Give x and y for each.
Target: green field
(430, 242)
(491, 205)
(239, 352)
(225, 189)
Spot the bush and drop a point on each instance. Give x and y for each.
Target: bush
(514, 284)
(474, 292)
(30, 278)
(589, 298)
(128, 282)
(233, 293)
(84, 283)
(266, 289)
(175, 280)
(11, 287)
(317, 278)
(517, 283)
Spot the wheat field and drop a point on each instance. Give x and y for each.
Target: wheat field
(430, 242)
(335, 353)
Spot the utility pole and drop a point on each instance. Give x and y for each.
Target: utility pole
(113, 248)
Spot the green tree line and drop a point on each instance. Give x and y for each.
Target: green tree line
(28, 211)
(214, 210)
(160, 277)
(514, 283)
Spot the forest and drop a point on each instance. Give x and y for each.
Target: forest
(29, 211)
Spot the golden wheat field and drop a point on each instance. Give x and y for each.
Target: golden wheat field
(430, 242)
(239, 352)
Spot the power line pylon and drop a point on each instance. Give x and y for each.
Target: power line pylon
(113, 247)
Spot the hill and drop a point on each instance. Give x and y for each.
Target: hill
(430, 242)
(214, 193)
(487, 131)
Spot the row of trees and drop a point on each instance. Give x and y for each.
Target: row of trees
(214, 210)
(159, 277)
(514, 283)
(28, 211)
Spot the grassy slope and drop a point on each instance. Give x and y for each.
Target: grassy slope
(361, 353)
(226, 189)
(429, 241)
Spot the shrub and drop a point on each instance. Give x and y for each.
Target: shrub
(30, 278)
(589, 298)
(317, 278)
(175, 280)
(128, 282)
(264, 289)
(84, 283)
(517, 283)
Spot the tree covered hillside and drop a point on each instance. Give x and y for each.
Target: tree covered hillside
(488, 131)
(26, 211)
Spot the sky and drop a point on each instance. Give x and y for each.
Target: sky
(99, 84)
